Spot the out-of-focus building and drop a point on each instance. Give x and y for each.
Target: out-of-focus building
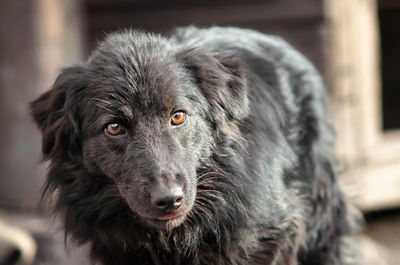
(353, 43)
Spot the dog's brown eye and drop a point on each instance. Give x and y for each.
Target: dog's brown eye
(114, 129)
(178, 118)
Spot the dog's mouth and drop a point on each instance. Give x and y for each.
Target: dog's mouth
(167, 217)
(168, 221)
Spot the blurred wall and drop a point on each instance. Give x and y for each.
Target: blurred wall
(301, 23)
(34, 42)
(19, 82)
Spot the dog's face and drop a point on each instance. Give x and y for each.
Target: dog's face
(145, 115)
(148, 134)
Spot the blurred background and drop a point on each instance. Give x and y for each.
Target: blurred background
(355, 44)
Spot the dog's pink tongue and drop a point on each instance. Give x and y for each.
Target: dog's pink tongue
(167, 217)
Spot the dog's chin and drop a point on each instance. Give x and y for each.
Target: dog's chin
(167, 224)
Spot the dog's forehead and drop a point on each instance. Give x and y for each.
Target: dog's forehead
(135, 53)
(139, 63)
(138, 72)
(130, 100)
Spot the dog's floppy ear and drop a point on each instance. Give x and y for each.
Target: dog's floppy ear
(55, 112)
(222, 80)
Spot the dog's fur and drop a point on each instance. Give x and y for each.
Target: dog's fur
(254, 159)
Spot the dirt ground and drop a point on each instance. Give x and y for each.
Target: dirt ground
(384, 228)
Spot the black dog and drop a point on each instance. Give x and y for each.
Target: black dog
(212, 146)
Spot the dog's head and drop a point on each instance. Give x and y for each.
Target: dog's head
(144, 114)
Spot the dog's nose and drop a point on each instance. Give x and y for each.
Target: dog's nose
(170, 199)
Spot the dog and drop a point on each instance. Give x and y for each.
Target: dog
(207, 146)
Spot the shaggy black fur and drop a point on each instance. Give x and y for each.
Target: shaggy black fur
(247, 178)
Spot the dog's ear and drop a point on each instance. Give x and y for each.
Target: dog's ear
(222, 80)
(56, 113)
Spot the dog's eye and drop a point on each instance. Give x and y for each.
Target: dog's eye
(114, 129)
(178, 118)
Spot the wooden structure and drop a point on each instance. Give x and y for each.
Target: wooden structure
(369, 154)
(36, 38)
